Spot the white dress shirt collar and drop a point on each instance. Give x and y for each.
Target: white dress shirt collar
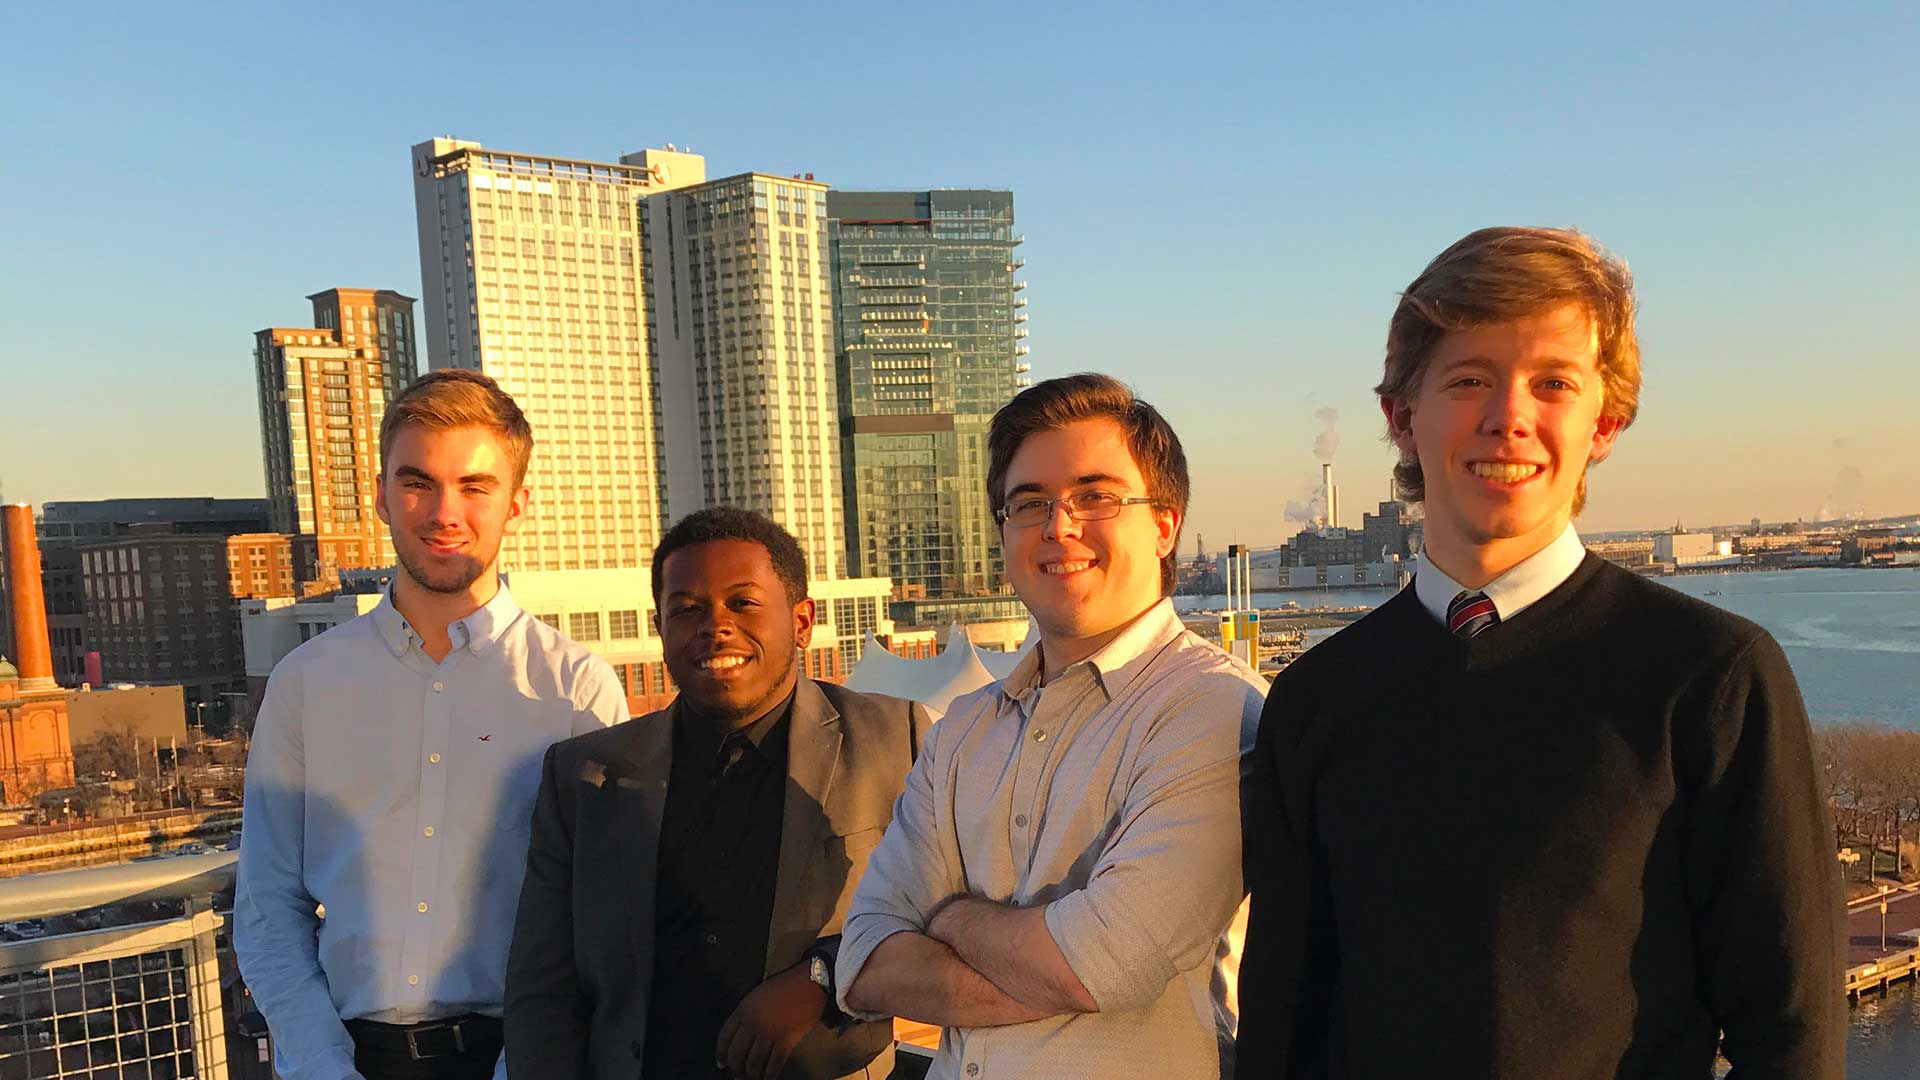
(474, 633)
(1116, 663)
(1512, 592)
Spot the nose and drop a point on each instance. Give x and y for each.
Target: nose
(717, 622)
(1509, 411)
(1059, 522)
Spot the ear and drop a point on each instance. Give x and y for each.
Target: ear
(1167, 521)
(380, 500)
(1605, 431)
(1399, 424)
(517, 510)
(803, 615)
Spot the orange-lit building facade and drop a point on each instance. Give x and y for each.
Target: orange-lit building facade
(320, 407)
(373, 318)
(260, 565)
(36, 746)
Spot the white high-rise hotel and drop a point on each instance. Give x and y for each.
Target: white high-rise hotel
(670, 338)
(532, 271)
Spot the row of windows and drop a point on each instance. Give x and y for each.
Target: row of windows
(623, 625)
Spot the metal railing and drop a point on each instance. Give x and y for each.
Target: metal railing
(136, 1000)
(145, 999)
(1883, 972)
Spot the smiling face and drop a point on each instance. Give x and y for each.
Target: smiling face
(1505, 422)
(1084, 581)
(448, 497)
(730, 634)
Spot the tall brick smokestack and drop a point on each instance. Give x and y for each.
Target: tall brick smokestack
(29, 602)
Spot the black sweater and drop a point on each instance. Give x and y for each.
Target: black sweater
(1581, 845)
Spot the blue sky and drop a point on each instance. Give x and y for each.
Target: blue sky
(1220, 204)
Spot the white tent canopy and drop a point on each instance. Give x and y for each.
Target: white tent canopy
(960, 669)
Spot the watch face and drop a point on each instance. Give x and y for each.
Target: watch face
(817, 971)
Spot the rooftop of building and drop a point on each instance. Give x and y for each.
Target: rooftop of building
(348, 290)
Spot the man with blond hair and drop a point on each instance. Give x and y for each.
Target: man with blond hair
(394, 765)
(1536, 816)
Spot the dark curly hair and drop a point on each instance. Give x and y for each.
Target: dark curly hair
(732, 523)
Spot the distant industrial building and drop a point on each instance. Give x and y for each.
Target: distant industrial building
(1388, 534)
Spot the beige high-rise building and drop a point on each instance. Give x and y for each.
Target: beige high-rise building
(532, 267)
(740, 319)
(320, 407)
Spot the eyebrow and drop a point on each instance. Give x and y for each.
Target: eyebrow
(1080, 481)
(736, 586)
(1557, 363)
(420, 474)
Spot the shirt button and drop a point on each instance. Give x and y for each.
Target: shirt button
(439, 686)
(429, 830)
(973, 1068)
(1020, 821)
(713, 939)
(422, 909)
(413, 980)
(1039, 736)
(434, 758)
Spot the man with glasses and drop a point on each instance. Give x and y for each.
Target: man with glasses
(1056, 888)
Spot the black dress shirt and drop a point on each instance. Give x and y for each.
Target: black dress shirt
(719, 855)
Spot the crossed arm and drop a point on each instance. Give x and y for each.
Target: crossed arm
(919, 945)
(978, 964)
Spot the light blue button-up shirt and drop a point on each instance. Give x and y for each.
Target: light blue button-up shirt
(398, 793)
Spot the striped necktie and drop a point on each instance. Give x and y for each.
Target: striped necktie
(1470, 613)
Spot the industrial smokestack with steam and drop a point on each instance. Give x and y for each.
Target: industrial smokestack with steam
(1332, 494)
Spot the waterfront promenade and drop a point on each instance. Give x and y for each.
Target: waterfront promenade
(1863, 925)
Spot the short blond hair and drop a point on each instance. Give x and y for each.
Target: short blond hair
(453, 398)
(1499, 275)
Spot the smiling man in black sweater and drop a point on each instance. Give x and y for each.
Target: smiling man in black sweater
(1536, 817)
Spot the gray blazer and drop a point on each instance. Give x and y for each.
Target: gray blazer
(580, 968)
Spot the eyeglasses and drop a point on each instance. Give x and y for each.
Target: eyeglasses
(1028, 511)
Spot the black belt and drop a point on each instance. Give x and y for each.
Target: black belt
(431, 1039)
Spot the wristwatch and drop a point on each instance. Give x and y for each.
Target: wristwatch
(821, 972)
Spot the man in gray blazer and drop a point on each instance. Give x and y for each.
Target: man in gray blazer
(689, 871)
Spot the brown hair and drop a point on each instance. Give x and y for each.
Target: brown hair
(452, 398)
(1501, 274)
(1055, 403)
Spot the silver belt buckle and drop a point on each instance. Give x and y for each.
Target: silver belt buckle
(413, 1047)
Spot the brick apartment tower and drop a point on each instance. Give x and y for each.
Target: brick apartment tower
(36, 748)
(380, 318)
(323, 391)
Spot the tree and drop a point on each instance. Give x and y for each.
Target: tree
(110, 754)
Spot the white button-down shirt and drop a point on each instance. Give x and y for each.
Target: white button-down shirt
(1512, 592)
(397, 792)
(1110, 796)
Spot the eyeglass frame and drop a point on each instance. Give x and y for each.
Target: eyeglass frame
(1005, 516)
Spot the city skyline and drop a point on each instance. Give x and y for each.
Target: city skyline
(1218, 212)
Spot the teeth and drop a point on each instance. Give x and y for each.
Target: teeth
(1507, 472)
(722, 663)
(1073, 567)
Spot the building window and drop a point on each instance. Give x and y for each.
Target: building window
(550, 620)
(584, 626)
(623, 625)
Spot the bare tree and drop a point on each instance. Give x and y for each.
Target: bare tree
(110, 754)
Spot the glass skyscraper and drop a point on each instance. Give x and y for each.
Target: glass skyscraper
(929, 326)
